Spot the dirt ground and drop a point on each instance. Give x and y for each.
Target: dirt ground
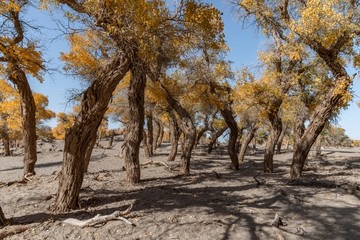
(214, 202)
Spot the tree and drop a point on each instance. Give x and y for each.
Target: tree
(19, 58)
(331, 31)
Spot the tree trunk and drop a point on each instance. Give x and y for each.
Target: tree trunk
(94, 104)
(157, 134)
(111, 140)
(161, 137)
(276, 127)
(174, 137)
(280, 141)
(214, 138)
(150, 132)
(88, 153)
(6, 142)
(200, 134)
(245, 143)
(145, 146)
(28, 107)
(318, 146)
(234, 132)
(187, 127)
(135, 125)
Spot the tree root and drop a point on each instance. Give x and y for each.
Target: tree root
(98, 219)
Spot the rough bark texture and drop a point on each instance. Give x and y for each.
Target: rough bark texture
(234, 132)
(78, 138)
(245, 143)
(318, 146)
(88, 153)
(322, 112)
(18, 77)
(188, 129)
(157, 134)
(145, 146)
(214, 138)
(280, 141)
(174, 136)
(276, 127)
(161, 137)
(150, 133)
(135, 125)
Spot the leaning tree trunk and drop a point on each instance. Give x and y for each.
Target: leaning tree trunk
(150, 133)
(94, 104)
(319, 119)
(88, 153)
(214, 138)
(245, 143)
(135, 125)
(188, 129)
(274, 135)
(174, 136)
(203, 130)
(28, 108)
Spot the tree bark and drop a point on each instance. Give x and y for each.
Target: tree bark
(94, 104)
(188, 129)
(280, 141)
(135, 125)
(150, 133)
(174, 136)
(161, 137)
(214, 138)
(318, 146)
(88, 153)
(245, 143)
(18, 77)
(203, 130)
(145, 146)
(111, 139)
(276, 127)
(157, 134)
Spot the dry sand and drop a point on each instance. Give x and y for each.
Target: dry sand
(214, 202)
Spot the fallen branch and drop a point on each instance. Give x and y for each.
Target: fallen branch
(101, 219)
(12, 230)
(167, 167)
(257, 181)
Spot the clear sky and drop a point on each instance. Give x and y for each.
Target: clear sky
(243, 42)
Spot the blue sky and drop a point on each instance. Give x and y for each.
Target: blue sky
(243, 42)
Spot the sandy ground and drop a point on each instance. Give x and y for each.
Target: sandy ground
(214, 202)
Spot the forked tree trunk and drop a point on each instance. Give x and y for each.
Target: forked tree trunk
(319, 119)
(150, 132)
(19, 78)
(94, 103)
(135, 125)
(214, 138)
(188, 129)
(174, 136)
(271, 143)
(245, 143)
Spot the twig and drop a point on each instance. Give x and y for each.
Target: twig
(101, 219)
